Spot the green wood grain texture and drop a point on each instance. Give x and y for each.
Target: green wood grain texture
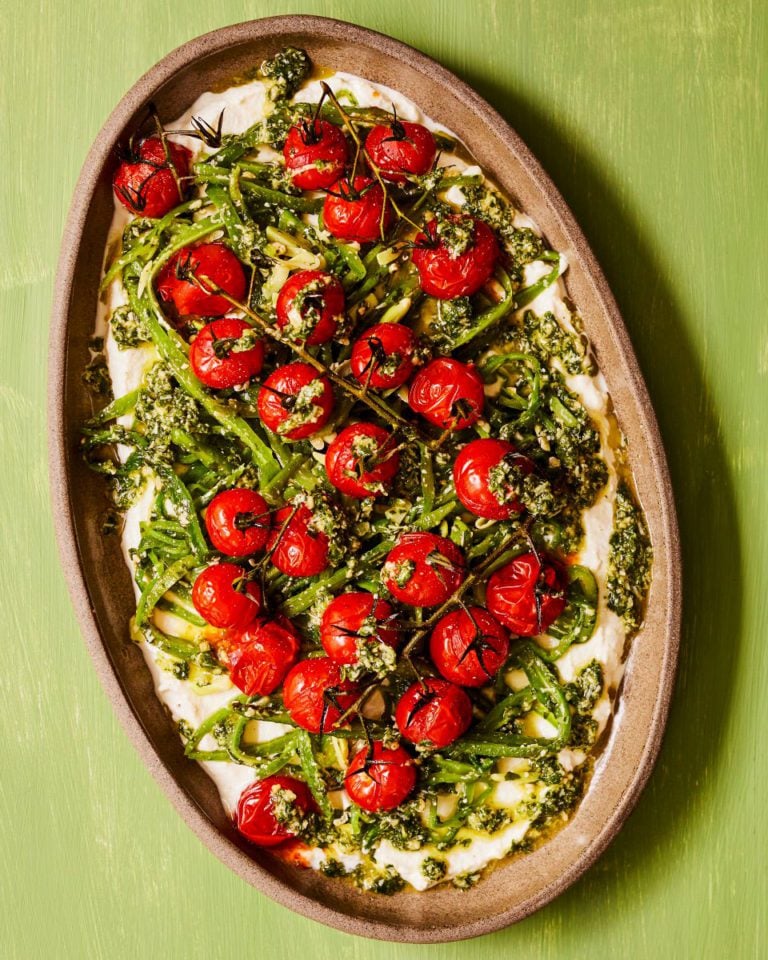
(651, 118)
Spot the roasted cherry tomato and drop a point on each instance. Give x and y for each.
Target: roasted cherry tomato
(354, 212)
(448, 393)
(213, 360)
(468, 646)
(379, 778)
(362, 460)
(255, 817)
(483, 476)
(401, 148)
(297, 549)
(445, 274)
(315, 154)
(528, 594)
(352, 619)
(238, 522)
(144, 182)
(260, 656)
(423, 569)
(224, 598)
(316, 695)
(382, 358)
(295, 401)
(212, 264)
(433, 711)
(310, 306)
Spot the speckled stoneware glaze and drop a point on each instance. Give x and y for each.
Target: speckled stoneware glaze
(100, 583)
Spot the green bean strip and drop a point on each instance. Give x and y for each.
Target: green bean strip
(117, 408)
(187, 515)
(312, 774)
(492, 315)
(158, 586)
(528, 294)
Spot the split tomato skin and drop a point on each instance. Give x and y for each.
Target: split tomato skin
(434, 712)
(277, 398)
(448, 393)
(315, 154)
(345, 468)
(384, 343)
(145, 184)
(234, 367)
(330, 295)
(423, 569)
(315, 694)
(238, 522)
(255, 818)
(344, 617)
(217, 600)
(473, 482)
(528, 594)
(297, 551)
(353, 212)
(401, 148)
(213, 262)
(379, 778)
(446, 276)
(469, 646)
(260, 656)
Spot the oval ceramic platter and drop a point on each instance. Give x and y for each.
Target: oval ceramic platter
(100, 582)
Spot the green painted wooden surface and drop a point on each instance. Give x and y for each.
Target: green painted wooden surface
(651, 118)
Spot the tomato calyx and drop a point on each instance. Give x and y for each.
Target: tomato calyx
(203, 130)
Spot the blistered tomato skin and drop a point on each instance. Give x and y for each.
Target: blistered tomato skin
(473, 479)
(254, 817)
(354, 212)
(238, 522)
(382, 357)
(213, 361)
(260, 656)
(379, 778)
(316, 695)
(343, 620)
(528, 594)
(282, 391)
(220, 603)
(433, 712)
(297, 550)
(311, 290)
(315, 154)
(401, 148)
(448, 393)
(212, 264)
(357, 475)
(423, 569)
(145, 185)
(469, 646)
(445, 276)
